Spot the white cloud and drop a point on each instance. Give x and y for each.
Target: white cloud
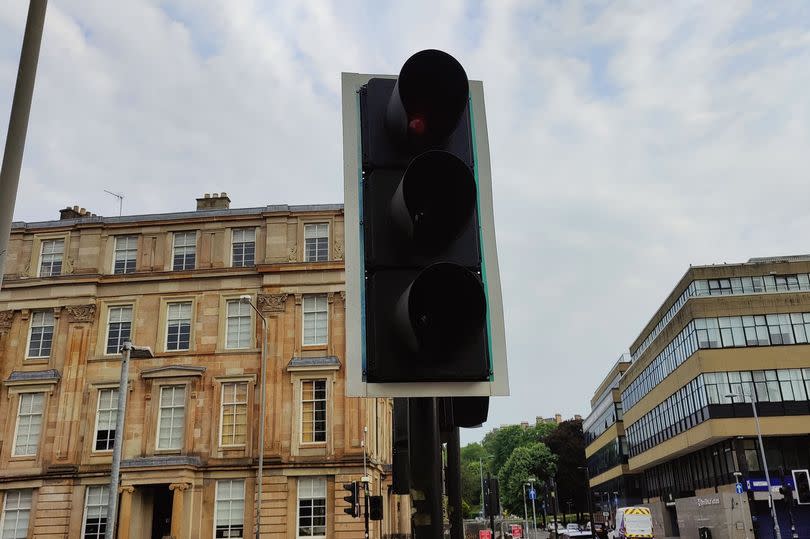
(628, 140)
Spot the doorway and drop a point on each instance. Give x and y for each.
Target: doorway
(161, 502)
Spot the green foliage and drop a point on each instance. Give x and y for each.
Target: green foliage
(502, 441)
(473, 452)
(471, 482)
(568, 443)
(516, 452)
(532, 460)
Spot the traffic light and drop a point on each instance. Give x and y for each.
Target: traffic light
(353, 499)
(492, 502)
(801, 478)
(375, 508)
(423, 293)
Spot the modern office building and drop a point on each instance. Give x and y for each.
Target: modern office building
(77, 288)
(727, 334)
(606, 449)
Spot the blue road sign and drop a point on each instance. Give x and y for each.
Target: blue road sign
(532, 494)
(739, 488)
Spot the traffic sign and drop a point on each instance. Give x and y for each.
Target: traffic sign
(484, 534)
(532, 494)
(517, 531)
(739, 488)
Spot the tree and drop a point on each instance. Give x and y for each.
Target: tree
(473, 452)
(532, 460)
(567, 442)
(471, 482)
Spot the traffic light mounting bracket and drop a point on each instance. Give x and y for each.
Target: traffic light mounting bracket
(357, 385)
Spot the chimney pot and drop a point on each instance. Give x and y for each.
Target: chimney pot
(75, 208)
(207, 195)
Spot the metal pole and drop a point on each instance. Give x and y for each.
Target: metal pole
(776, 530)
(426, 468)
(112, 505)
(525, 511)
(492, 510)
(453, 479)
(481, 471)
(262, 410)
(534, 511)
(18, 122)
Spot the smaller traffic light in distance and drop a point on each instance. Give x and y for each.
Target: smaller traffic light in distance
(375, 507)
(492, 505)
(801, 478)
(353, 499)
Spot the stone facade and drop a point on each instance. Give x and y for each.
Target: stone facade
(180, 470)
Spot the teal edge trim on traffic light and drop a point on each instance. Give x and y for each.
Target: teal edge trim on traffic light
(481, 239)
(362, 237)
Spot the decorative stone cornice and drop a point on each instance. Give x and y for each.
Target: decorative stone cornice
(6, 317)
(274, 303)
(292, 254)
(81, 313)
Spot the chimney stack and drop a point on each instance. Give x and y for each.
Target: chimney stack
(217, 201)
(74, 213)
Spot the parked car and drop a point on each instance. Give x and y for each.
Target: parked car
(550, 527)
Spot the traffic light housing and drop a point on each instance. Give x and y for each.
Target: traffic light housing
(375, 507)
(801, 479)
(492, 503)
(423, 293)
(353, 499)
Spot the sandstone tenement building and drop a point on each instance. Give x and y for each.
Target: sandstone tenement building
(76, 288)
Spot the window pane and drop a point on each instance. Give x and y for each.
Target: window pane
(51, 257)
(95, 511)
(126, 252)
(312, 507)
(106, 416)
(313, 411)
(16, 514)
(230, 508)
(238, 325)
(41, 338)
(171, 423)
(118, 328)
(315, 320)
(234, 413)
(178, 326)
(29, 424)
(243, 247)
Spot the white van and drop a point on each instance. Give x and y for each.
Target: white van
(634, 522)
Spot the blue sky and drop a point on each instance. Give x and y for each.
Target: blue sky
(629, 139)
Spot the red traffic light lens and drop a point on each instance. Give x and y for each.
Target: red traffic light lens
(416, 125)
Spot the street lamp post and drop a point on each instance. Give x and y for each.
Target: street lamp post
(525, 511)
(246, 299)
(18, 122)
(732, 396)
(534, 509)
(128, 351)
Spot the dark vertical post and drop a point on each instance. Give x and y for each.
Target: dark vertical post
(453, 479)
(492, 507)
(365, 497)
(426, 468)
